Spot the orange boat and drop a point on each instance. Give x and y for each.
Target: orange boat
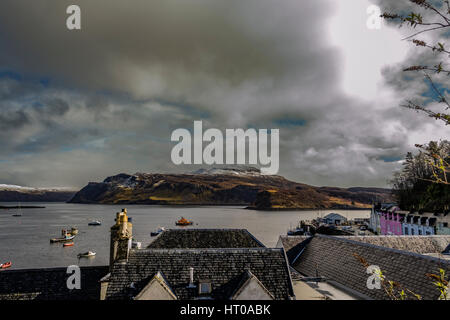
(6, 265)
(183, 222)
(70, 244)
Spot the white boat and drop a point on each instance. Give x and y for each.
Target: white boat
(155, 233)
(94, 223)
(88, 254)
(136, 244)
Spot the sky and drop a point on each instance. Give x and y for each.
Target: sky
(79, 106)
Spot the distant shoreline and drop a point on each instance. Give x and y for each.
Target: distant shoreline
(245, 205)
(21, 207)
(306, 209)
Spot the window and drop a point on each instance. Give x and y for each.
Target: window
(204, 288)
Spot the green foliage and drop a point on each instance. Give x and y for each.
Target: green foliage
(422, 184)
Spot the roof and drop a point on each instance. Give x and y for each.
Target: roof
(205, 238)
(224, 268)
(335, 216)
(50, 284)
(291, 245)
(246, 278)
(338, 260)
(435, 244)
(416, 244)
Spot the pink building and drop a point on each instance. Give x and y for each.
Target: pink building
(391, 222)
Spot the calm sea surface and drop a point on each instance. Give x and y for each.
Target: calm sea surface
(25, 240)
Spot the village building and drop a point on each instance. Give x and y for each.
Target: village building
(337, 266)
(388, 219)
(334, 219)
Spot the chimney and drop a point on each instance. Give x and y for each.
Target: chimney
(121, 235)
(191, 278)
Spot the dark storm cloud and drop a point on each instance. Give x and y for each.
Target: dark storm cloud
(77, 106)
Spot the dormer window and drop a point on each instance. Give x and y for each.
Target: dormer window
(204, 287)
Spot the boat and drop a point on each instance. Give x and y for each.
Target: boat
(94, 223)
(66, 236)
(136, 244)
(73, 231)
(183, 222)
(6, 265)
(157, 232)
(17, 215)
(88, 254)
(63, 239)
(296, 232)
(68, 244)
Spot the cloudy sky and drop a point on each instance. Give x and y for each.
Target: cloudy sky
(78, 106)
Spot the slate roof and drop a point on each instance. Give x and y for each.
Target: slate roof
(205, 238)
(416, 244)
(224, 268)
(293, 245)
(333, 258)
(50, 284)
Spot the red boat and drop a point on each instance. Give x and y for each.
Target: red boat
(70, 244)
(183, 222)
(6, 265)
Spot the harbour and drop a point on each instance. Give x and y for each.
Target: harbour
(25, 240)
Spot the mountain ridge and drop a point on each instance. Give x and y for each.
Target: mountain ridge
(261, 192)
(14, 193)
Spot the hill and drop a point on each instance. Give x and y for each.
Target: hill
(225, 188)
(12, 193)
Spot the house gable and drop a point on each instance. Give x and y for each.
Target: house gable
(251, 289)
(156, 289)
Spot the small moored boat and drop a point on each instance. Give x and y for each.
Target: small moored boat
(94, 223)
(63, 239)
(6, 265)
(184, 222)
(66, 236)
(136, 244)
(69, 244)
(88, 254)
(155, 233)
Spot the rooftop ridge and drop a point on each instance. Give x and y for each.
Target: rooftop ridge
(369, 245)
(397, 236)
(200, 250)
(254, 238)
(208, 229)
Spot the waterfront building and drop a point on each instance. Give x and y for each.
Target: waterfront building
(334, 219)
(388, 219)
(376, 217)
